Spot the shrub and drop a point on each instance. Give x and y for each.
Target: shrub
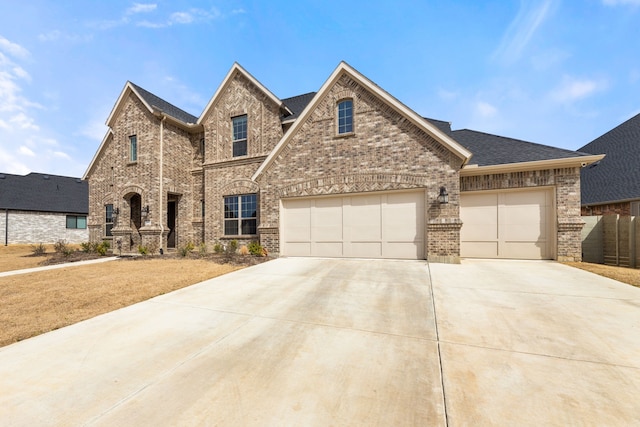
(232, 247)
(243, 250)
(255, 248)
(218, 248)
(61, 246)
(38, 249)
(87, 247)
(143, 250)
(202, 249)
(102, 248)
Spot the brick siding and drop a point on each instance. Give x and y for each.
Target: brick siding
(39, 227)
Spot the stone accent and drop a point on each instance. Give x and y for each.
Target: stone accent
(24, 227)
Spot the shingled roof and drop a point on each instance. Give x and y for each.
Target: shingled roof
(490, 150)
(44, 193)
(297, 104)
(164, 106)
(616, 177)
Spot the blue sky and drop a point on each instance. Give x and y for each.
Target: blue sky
(554, 72)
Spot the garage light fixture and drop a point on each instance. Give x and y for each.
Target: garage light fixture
(443, 197)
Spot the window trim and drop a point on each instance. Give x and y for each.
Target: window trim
(240, 218)
(75, 218)
(107, 223)
(133, 148)
(350, 117)
(244, 140)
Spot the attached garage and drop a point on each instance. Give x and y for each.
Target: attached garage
(374, 225)
(508, 224)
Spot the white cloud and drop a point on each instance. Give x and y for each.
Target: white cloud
(26, 151)
(56, 35)
(61, 155)
(22, 121)
(447, 95)
(181, 18)
(13, 49)
(141, 8)
(485, 110)
(521, 30)
(572, 89)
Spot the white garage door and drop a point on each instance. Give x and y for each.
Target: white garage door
(509, 224)
(376, 225)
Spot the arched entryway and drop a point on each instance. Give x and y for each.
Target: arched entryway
(134, 200)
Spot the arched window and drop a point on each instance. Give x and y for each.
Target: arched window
(345, 116)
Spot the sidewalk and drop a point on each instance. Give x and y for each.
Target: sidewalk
(53, 267)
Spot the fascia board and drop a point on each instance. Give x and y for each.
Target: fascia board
(98, 151)
(581, 161)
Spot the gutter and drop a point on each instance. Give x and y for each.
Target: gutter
(164, 117)
(582, 161)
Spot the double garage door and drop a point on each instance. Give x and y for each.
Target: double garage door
(378, 225)
(508, 224)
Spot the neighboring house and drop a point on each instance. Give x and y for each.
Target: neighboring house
(612, 185)
(348, 171)
(40, 208)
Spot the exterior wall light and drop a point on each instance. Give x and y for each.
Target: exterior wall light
(145, 211)
(443, 197)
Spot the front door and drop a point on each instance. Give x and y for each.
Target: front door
(171, 224)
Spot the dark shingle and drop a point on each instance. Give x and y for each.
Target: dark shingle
(297, 104)
(490, 150)
(440, 124)
(617, 176)
(164, 106)
(44, 193)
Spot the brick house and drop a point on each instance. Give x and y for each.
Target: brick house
(612, 185)
(41, 208)
(348, 171)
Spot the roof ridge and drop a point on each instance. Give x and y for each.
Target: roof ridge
(144, 92)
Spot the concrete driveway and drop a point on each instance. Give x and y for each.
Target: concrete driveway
(345, 342)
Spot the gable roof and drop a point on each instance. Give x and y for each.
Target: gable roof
(44, 193)
(615, 178)
(153, 103)
(344, 68)
(237, 68)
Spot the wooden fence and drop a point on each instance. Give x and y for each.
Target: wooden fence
(611, 240)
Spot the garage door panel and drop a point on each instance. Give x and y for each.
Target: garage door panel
(508, 224)
(365, 217)
(384, 225)
(326, 220)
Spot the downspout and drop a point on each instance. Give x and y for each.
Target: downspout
(164, 117)
(6, 227)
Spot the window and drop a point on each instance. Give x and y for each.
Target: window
(635, 208)
(239, 136)
(133, 148)
(75, 221)
(202, 208)
(202, 147)
(240, 215)
(108, 219)
(345, 116)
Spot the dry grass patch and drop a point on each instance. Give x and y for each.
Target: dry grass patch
(40, 302)
(18, 257)
(621, 274)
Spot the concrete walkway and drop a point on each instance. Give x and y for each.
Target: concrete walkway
(345, 342)
(56, 266)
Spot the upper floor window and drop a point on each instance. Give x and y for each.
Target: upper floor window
(76, 221)
(345, 116)
(239, 136)
(133, 148)
(240, 215)
(108, 219)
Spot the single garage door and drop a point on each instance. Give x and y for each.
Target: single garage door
(508, 224)
(389, 225)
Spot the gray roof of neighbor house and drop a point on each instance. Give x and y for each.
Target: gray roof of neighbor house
(440, 124)
(44, 193)
(617, 176)
(164, 106)
(491, 150)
